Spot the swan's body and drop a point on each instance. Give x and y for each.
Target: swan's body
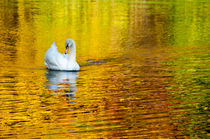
(57, 61)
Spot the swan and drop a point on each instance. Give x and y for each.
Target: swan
(64, 62)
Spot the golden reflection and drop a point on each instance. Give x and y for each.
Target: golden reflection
(136, 79)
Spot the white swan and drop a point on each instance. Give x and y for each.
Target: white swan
(57, 61)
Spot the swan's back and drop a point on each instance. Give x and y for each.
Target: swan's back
(54, 60)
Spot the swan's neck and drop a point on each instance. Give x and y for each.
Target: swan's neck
(72, 53)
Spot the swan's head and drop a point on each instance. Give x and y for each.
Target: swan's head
(68, 44)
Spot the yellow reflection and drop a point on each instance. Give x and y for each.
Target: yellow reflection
(103, 100)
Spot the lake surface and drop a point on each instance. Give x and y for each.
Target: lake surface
(144, 69)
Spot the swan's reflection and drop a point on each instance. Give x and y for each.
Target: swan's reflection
(60, 79)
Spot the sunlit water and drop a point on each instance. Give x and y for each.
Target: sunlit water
(144, 69)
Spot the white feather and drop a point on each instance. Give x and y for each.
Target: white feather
(57, 61)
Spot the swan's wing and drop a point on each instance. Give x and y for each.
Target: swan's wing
(49, 55)
(54, 59)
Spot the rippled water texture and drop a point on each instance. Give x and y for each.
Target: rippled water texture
(144, 69)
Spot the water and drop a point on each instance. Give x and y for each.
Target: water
(144, 69)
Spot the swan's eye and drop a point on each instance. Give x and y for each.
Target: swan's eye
(67, 46)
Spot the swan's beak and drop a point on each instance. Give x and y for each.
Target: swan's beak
(66, 50)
